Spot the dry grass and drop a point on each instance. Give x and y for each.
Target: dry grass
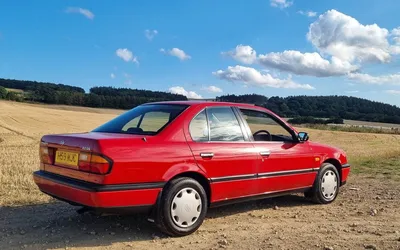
(15, 90)
(371, 124)
(22, 125)
(354, 128)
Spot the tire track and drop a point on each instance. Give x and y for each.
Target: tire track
(17, 132)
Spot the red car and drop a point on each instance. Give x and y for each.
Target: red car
(177, 159)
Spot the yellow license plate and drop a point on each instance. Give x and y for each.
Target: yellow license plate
(67, 158)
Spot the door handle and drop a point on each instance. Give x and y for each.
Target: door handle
(265, 153)
(207, 155)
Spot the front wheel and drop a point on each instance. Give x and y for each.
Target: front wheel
(183, 207)
(326, 185)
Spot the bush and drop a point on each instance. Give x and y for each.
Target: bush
(12, 96)
(3, 93)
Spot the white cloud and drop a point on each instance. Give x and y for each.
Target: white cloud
(177, 53)
(343, 46)
(87, 13)
(126, 55)
(342, 36)
(306, 64)
(378, 80)
(281, 3)
(352, 91)
(393, 92)
(307, 13)
(181, 91)
(112, 75)
(150, 34)
(395, 33)
(250, 76)
(213, 89)
(242, 53)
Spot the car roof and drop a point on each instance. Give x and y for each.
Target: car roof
(206, 103)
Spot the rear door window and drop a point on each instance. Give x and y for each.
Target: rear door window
(199, 128)
(223, 124)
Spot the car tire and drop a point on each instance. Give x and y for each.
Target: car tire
(326, 185)
(183, 207)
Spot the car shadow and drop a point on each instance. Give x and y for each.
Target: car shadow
(292, 200)
(57, 225)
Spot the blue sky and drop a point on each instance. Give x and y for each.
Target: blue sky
(207, 48)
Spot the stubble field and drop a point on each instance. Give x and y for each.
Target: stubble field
(365, 215)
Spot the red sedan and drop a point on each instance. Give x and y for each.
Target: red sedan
(177, 159)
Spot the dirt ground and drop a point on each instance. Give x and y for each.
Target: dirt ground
(366, 214)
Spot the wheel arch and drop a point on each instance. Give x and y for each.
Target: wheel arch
(337, 165)
(200, 178)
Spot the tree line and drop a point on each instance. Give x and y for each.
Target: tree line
(344, 107)
(99, 97)
(33, 85)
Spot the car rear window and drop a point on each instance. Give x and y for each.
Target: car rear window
(143, 120)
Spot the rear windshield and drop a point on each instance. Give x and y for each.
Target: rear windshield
(143, 120)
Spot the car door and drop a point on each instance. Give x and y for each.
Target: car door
(286, 164)
(223, 150)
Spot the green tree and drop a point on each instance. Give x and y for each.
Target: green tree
(3, 93)
(12, 96)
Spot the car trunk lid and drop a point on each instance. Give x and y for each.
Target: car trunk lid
(81, 153)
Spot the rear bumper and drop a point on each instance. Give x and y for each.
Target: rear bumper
(140, 196)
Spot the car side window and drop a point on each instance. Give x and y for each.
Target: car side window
(199, 128)
(151, 121)
(223, 124)
(264, 127)
(131, 124)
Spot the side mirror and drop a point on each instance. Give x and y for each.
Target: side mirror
(303, 136)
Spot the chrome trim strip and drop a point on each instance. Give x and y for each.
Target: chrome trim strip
(234, 178)
(263, 175)
(346, 165)
(287, 172)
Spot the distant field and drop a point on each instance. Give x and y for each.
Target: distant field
(366, 124)
(22, 125)
(371, 124)
(15, 90)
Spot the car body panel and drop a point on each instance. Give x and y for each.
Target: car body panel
(236, 170)
(288, 166)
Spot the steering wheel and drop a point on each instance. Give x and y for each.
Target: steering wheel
(263, 131)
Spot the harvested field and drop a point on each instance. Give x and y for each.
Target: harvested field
(365, 215)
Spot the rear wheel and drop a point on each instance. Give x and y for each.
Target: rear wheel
(326, 185)
(182, 207)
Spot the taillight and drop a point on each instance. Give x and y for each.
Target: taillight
(46, 155)
(93, 163)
